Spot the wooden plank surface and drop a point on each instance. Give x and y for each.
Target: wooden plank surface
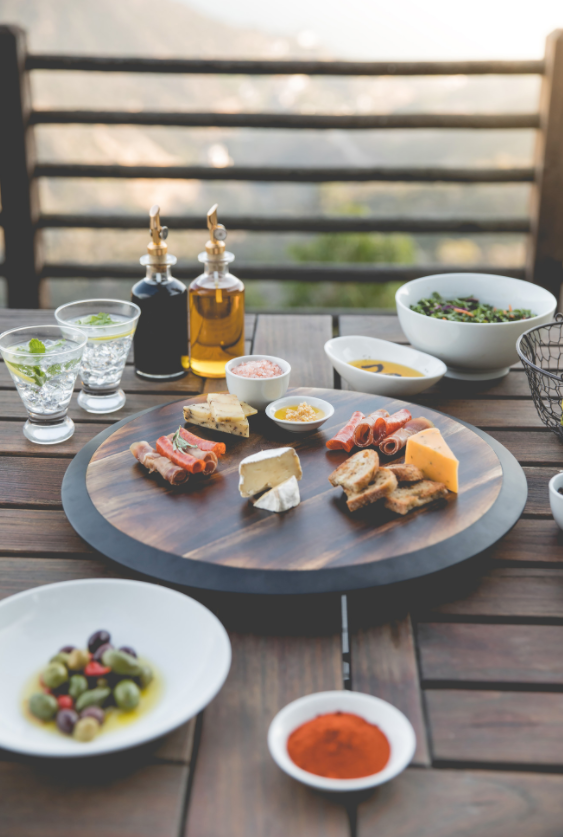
(531, 541)
(497, 624)
(299, 341)
(529, 654)
(496, 727)
(13, 442)
(384, 664)
(90, 797)
(25, 532)
(237, 789)
(464, 803)
(507, 593)
(28, 482)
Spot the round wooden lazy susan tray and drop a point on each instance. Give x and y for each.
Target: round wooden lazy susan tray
(205, 535)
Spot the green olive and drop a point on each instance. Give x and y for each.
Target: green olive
(78, 659)
(102, 683)
(93, 697)
(127, 695)
(61, 657)
(54, 675)
(77, 685)
(121, 663)
(86, 729)
(146, 676)
(43, 706)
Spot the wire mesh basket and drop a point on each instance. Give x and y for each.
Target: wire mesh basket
(541, 351)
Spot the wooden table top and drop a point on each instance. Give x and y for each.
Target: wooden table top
(472, 656)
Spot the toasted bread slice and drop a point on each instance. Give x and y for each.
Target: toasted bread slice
(406, 473)
(402, 500)
(357, 472)
(383, 484)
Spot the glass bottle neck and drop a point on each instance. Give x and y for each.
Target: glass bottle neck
(158, 273)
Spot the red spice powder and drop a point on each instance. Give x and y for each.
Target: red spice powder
(339, 745)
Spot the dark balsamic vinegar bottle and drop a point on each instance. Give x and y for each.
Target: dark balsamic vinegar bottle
(161, 338)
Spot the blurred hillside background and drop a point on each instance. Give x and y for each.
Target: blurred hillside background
(357, 30)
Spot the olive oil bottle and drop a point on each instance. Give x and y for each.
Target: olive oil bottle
(161, 338)
(216, 307)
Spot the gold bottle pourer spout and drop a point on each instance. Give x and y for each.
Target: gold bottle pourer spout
(217, 234)
(157, 249)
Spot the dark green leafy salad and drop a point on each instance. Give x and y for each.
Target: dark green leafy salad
(468, 309)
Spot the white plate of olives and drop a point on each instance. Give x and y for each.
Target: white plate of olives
(124, 661)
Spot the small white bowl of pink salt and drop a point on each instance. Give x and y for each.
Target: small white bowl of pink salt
(258, 379)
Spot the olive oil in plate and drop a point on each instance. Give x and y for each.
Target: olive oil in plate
(386, 367)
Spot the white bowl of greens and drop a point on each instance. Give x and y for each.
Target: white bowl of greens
(472, 347)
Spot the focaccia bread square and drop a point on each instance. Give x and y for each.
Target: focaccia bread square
(356, 472)
(406, 473)
(384, 483)
(403, 500)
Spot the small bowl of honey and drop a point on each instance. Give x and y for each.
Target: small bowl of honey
(380, 367)
(299, 414)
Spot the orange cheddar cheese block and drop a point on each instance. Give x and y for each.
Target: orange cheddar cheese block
(429, 452)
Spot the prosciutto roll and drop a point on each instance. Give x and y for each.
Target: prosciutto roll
(369, 427)
(344, 439)
(218, 448)
(396, 441)
(153, 461)
(183, 460)
(391, 425)
(207, 456)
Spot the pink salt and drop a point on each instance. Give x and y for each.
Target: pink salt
(257, 369)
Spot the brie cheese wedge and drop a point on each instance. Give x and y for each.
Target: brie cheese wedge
(281, 498)
(267, 469)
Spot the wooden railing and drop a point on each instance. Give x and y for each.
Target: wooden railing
(24, 266)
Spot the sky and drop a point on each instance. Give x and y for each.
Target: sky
(401, 29)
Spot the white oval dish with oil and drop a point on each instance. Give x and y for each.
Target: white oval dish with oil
(342, 351)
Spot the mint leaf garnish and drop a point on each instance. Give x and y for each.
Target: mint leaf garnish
(101, 319)
(180, 444)
(36, 347)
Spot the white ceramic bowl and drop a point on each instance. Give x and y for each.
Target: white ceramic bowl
(341, 350)
(472, 351)
(556, 499)
(186, 643)
(299, 426)
(258, 392)
(390, 721)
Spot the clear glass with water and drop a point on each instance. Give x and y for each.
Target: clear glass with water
(44, 362)
(109, 325)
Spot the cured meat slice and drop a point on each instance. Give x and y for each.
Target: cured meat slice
(344, 439)
(396, 441)
(390, 426)
(183, 460)
(207, 456)
(153, 461)
(218, 448)
(368, 427)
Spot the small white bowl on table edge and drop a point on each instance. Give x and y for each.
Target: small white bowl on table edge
(341, 350)
(390, 720)
(294, 401)
(185, 642)
(472, 351)
(258, 392)
(556, 499)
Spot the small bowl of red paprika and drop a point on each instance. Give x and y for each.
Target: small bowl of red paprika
(341, 740)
